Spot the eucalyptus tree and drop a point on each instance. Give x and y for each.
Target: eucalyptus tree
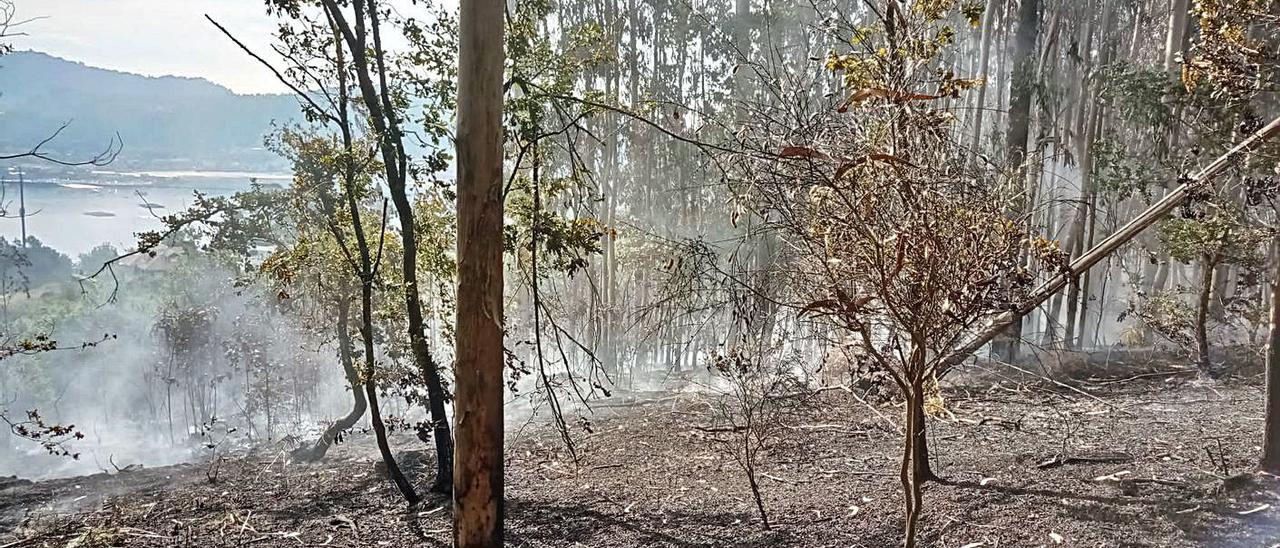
(478, 504)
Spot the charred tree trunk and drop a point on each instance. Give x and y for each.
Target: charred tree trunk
(478, 476)
(1022, 90)
(1207, 268)
(359, 403)
(1271, 426)
(383, 117)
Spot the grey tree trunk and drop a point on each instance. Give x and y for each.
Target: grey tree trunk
(1207, 267)
(1021, 92)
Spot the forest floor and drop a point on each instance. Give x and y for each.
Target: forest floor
(1141, 457)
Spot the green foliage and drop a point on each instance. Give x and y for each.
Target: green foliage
(1220, 236)
(1119, 173)
(1141, 96)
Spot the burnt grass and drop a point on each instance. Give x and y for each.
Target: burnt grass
(1134, 457)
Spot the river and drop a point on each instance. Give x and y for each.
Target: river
(74, 214)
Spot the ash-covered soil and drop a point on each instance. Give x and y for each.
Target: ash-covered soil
(1111, 460)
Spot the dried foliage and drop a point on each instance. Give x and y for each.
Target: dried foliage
(893, 236)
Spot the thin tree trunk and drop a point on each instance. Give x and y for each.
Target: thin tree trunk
(359, 403)
(1174, 38)
(1207, 267)
(1022, 89)
(1271, 427)
(755, 492)
(984, 65)
(366, 269)
(920, 467)
(383, 117)
(909, 474)
(371, 392)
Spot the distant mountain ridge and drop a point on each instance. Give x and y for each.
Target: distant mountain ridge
(166, 122)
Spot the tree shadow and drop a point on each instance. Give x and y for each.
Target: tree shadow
(563, 523)
(1199, 518)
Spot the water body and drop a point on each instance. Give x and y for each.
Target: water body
(75, 214)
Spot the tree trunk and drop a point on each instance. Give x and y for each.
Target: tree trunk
(371, 392)
(1207, 269)
(478, 474)
(755, 493)
(1271, 426)
(440, 431)
(920, 466)
(1021, 92)
(1174, 38)
(909, 475)
(382, 116)
(984, 65)
(359, 404)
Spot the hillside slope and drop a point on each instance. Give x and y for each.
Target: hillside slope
(166, 122)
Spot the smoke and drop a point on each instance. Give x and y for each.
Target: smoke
(188, 355)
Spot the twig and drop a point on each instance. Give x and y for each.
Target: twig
(783, 480)
(1144, 375)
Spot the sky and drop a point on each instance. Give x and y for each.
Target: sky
(155, 37)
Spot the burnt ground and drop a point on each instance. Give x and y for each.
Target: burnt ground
(1111, 460)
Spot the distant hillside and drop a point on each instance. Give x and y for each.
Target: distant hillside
(166, 122)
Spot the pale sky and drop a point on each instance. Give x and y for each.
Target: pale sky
(155, 37)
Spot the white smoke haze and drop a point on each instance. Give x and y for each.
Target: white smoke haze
(185, 357)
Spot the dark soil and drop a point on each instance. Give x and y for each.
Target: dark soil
(1156, 460)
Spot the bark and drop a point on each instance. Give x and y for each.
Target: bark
(359, 403)
(478, 477)
(1174, 38)
(1271, 427)
(1207, 268)
(920, 466)
(909, 474)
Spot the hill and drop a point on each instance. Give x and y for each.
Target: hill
(166, 122)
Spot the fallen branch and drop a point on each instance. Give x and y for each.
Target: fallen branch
(720, 429)
(1107, 246)
(1145, 375)
(783, 480)
(1063, 460)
